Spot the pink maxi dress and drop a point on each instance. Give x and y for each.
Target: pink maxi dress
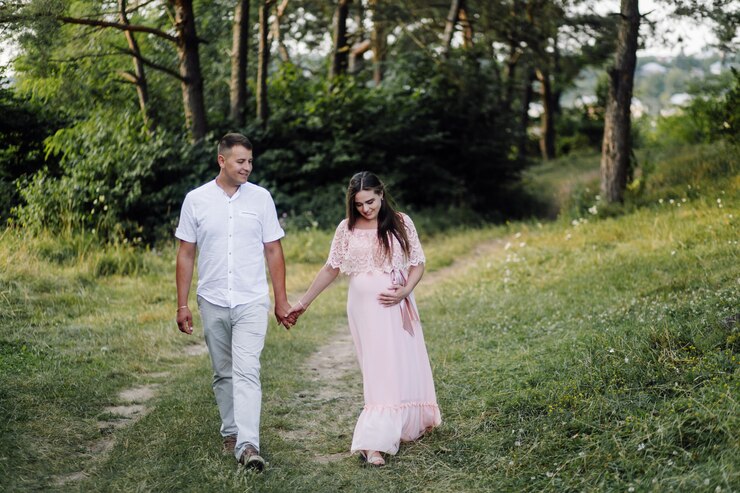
(400, 402)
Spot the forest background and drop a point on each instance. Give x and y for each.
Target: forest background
(493, 125)
(114, 108)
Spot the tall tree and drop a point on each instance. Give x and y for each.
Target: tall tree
(192, 78)
(452, 17)
(617, 146)
(138, 77)
(378, 40)
(263, 109)
(340, 53)
(186, 41)
(239, 50)
(277, 34)
(547, 134)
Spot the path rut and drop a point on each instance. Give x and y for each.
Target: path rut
(335, 401)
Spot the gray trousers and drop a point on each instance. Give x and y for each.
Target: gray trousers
(235, 338)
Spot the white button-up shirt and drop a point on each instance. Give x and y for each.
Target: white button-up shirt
(230, 233)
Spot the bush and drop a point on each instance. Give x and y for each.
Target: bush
(114, 179)
(433, 136)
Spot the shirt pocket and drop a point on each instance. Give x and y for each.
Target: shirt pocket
(249, 224)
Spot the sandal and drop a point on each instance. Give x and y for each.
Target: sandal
(375, 460)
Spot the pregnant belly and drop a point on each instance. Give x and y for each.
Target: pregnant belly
(368, 285)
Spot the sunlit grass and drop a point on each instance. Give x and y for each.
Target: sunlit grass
(594, 353)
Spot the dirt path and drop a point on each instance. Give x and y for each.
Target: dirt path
(132, 404)
(329, 406)
(334, 401)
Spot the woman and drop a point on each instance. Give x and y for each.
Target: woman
(379, 249)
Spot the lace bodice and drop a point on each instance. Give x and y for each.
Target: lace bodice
(359, 251)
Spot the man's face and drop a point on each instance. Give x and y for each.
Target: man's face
(236, 165)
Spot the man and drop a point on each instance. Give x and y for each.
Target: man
(231, 223)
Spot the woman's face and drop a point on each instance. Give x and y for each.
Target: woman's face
(367, 203)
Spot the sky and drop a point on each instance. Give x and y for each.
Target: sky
(664, 43)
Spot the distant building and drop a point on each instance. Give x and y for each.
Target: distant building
(652, 68)
(637, 109)
(681, 99)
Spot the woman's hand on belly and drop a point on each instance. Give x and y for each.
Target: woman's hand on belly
(393, 296)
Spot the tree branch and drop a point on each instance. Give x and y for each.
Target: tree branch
(116, 25)
(150, 64)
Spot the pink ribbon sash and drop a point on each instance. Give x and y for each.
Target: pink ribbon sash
(409, 315)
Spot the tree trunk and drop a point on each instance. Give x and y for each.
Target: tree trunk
(616, 148)
(360, 45)
(277, 35)
(450, 21)
(379, 42)
(511, 63)
(192, 79)
(356, 56)
(547, 135)
(263, 110)
(523, 136)
(139, 76)
(467, 27)
(239, 51)
(340, 57)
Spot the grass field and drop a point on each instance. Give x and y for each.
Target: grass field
(593, 353)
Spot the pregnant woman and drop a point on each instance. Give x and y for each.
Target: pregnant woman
(379, 249)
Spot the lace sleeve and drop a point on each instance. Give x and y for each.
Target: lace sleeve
(416, 253)
(338, 251)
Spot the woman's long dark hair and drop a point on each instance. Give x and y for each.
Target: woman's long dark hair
(389, 221)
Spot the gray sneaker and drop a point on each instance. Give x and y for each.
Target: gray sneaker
(251, 459)
(229, 445)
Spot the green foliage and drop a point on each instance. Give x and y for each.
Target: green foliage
(23, 128)
(114, 179)
(442, 127)
(600, 356)
(710, 116)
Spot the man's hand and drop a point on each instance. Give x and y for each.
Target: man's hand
(282, 315)
(185, 320)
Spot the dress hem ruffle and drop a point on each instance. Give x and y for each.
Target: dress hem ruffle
(395, 407)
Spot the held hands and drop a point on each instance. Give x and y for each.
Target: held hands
(283, 315)
(297, 310)
(393, 296)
